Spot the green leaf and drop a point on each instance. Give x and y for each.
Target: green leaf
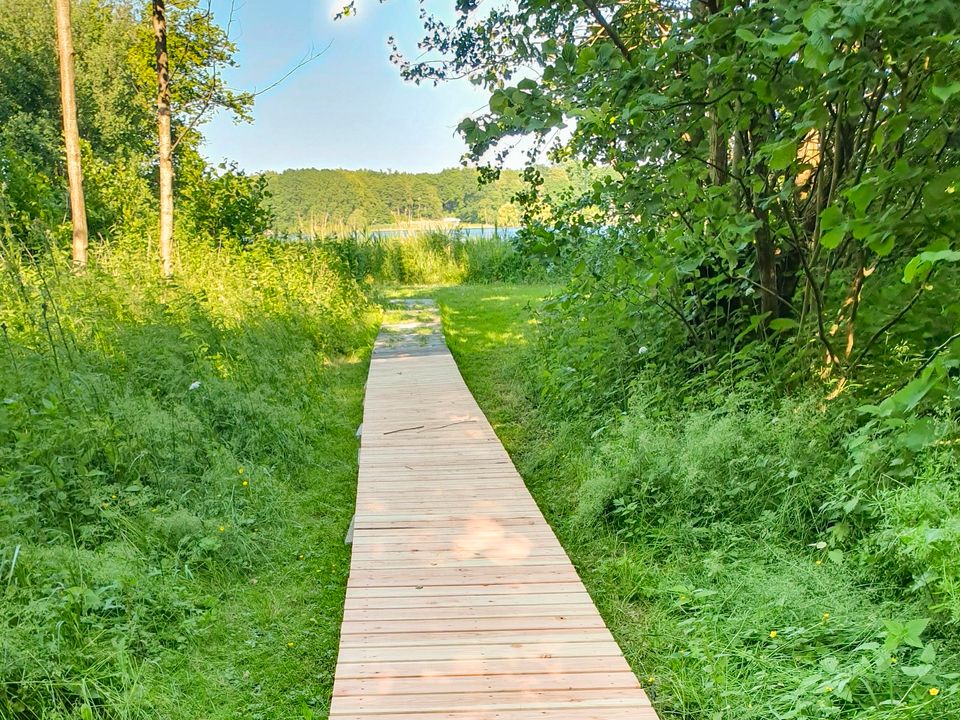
(914, 629)
(882, 243)
(893, 130)
(785, 44)
(943, 188)
(832, 238)
(816, 17)
(862, 195)
(830, 218)
(913, 393)
(940, 256)
(919, 435)
(945, 92)
(781, 324)
(926, 260)
(747, 35)
(782, 154)
(815, 59)
(587, 55)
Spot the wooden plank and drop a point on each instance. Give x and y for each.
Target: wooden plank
(457, 562)
(531, 621)
(565, 713)
(441, 550)
(472, 600)
(466, 611)
(530, 652)
(461, 603)
(460, 576)
(505, 589)
(419, 668)
(490, 701)
(475, 637)
(376, 522)
(365, 687)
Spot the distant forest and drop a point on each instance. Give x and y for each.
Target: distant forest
(317, 201)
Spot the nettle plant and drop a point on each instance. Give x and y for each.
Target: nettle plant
(776, 164)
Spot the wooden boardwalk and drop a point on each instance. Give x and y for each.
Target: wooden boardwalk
(461, 602)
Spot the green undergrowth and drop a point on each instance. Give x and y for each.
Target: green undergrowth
(177, 473)
(435, 258)
(715, 528)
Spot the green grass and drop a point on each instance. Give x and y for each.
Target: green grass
(268, 647)
(177, 474)
(434, 258)
(720, 608)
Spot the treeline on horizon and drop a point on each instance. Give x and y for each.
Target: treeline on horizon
(316, 202)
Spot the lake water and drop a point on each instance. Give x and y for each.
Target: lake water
(464, 232)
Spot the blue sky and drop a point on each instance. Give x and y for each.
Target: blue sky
(347, 109)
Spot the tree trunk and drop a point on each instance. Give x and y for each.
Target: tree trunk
(71, 132)
(719, 149)
(165, 143)
(767, 266)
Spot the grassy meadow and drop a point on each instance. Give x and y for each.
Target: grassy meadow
(177, 473)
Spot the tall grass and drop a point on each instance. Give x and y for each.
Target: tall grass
(434, 258)
(161, 442)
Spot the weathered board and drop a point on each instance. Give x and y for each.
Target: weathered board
(461, 602)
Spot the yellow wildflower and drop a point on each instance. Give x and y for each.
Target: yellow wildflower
(221, 528)
(773, 633)
(934, 692)
(826, 616)
(245, 483)
(300, 556)
(828, 689)
(240, 470)
(289, 644)
(819, 562)
(893, 661)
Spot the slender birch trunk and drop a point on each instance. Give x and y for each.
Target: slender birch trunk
(71, 132)
(164, 133)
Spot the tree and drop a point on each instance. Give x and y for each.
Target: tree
(165, 143)
(777, 163)
(71, 132)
